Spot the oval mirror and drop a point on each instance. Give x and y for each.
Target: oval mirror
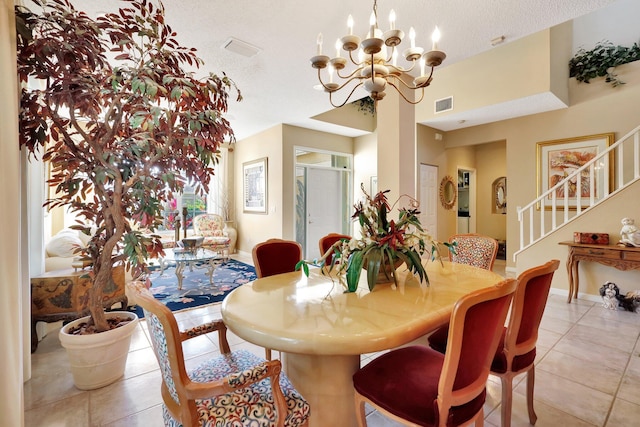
(448, 193)
(500, 194)
(500, 201)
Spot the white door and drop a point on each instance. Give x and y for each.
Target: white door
(324, 205)
(429, 199)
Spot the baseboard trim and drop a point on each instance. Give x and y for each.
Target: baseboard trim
(581, 295)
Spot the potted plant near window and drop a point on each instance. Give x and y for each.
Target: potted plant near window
(123, 124)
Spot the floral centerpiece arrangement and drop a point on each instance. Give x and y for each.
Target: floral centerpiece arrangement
(383, 246)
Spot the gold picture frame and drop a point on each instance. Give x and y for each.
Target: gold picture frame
(559, 158)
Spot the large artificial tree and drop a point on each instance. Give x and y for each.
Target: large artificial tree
(116, 107)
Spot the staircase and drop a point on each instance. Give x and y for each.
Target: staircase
(590, 185)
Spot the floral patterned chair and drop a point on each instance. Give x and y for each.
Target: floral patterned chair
(474, 249)
(210, 226)
(234, 388)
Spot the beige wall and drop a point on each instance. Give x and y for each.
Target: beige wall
(491, 164)
(277, 144)
(506, 148)
(494, 77)
(603, 219)
(14, 276)
(349, 116)
(599, 110)
(365, 163)
(396, 148)
(489, 161)
(252, 227)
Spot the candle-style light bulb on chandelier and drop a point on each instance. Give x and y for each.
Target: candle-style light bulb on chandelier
(375, 66)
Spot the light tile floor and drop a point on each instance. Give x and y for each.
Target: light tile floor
(587, 374)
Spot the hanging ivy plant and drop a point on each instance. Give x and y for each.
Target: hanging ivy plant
(366, 105)
(600, 62)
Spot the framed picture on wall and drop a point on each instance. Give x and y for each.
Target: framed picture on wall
(254, 186)
(561, 158)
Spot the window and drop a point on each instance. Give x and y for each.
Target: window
(217, 201)
(194, 204)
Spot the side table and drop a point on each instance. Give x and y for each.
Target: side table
(617, 256)
(63, 295)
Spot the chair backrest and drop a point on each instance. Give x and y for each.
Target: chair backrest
(474, 249)
(167, 346)
(528, 306)
(327, 241)
(475, 329)
(208, 225)
(276, 256)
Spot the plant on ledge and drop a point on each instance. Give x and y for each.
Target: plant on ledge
(121, 135)
(600, 62)
(384, 244)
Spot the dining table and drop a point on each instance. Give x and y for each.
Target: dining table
(322, 331)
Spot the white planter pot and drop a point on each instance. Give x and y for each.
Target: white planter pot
(98, 360)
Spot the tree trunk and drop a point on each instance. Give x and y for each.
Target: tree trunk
(101, 278)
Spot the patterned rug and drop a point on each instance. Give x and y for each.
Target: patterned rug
(196, 289)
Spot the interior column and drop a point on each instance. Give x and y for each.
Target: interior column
(397, 154)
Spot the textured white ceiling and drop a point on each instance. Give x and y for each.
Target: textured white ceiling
(277, 83)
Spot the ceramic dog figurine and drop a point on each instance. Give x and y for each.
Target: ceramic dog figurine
(610, 295)
(630, 301)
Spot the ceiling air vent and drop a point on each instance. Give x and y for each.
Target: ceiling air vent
(444, 104)
(235, 45)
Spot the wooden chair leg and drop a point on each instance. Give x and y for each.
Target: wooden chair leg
(361, 416)
(507, 399)
(531, 379)
(267, 353)
(479, 422)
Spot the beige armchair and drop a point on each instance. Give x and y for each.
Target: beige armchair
(210, 226)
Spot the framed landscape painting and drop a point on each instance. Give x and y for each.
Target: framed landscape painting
(254, 186)
(560, 158)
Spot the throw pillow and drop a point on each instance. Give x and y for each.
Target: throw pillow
(63, 245)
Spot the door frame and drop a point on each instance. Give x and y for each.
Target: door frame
(429, 204)
(473, 189)
(296, 165)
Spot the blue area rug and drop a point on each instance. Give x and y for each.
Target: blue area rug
(196, 289)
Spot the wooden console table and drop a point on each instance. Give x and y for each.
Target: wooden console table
(620, 257)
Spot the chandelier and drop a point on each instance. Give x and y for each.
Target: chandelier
(375, 65)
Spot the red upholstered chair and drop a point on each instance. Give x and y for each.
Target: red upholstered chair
(517, 348)
(275, 256)
(417, 385)
(326, 242)
(474, 249)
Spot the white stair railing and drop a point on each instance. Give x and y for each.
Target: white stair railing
(552, 210)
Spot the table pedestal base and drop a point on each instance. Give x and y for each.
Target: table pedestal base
(326, 383)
